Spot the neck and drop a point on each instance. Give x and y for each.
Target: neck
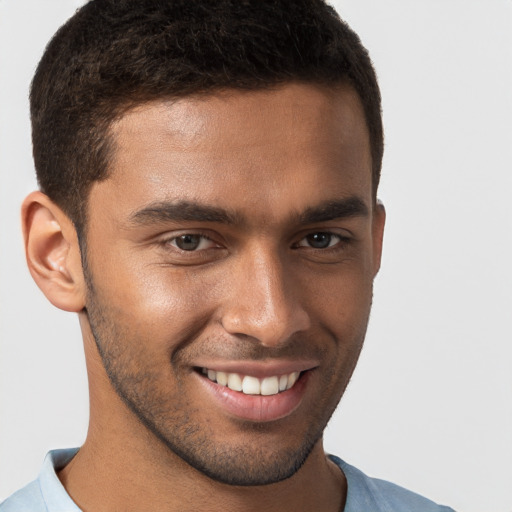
(119, 477)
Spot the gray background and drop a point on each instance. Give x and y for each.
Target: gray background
(430, 405)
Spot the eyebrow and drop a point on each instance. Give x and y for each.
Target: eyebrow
(191, 211)
(336, 209)
(182, 211)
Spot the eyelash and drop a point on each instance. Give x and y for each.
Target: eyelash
(169, 241)
(342, 240)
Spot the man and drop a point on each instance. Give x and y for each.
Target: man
(208, 174)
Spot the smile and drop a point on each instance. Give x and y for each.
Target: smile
(254, 390)
(250, 385)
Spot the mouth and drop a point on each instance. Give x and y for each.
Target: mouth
(256, 393)
(251, 385)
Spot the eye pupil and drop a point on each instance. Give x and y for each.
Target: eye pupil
(319, 240)
(188, 242)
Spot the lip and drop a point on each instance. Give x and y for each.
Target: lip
(259, 369)
(255, 408)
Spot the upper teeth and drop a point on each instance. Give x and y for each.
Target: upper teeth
(252, 385)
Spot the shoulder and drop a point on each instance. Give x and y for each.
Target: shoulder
(46, 494)
(27, 499)
(365, 493)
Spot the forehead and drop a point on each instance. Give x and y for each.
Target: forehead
(244, 147)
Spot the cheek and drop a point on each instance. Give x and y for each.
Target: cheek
(151, 310)
(341, 296)
(159, 291)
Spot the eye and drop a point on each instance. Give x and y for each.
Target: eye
(191, 242)
(320, 240)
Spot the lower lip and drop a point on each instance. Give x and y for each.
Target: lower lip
(257, 408)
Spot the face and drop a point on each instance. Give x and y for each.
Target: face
(230, 260)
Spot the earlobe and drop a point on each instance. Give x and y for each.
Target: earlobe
(53, 252)
(379, 220)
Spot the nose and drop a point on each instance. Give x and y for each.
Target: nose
(264, 302)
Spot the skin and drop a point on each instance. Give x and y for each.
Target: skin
(290, 169)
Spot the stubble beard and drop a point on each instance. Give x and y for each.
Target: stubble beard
(173, 421)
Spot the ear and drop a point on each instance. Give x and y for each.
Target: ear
(53, 252)
(379, 220)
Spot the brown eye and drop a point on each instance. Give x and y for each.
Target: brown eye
(188, 242)
(192, 242)
(320, 240)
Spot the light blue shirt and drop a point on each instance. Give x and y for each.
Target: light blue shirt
(364, 494)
